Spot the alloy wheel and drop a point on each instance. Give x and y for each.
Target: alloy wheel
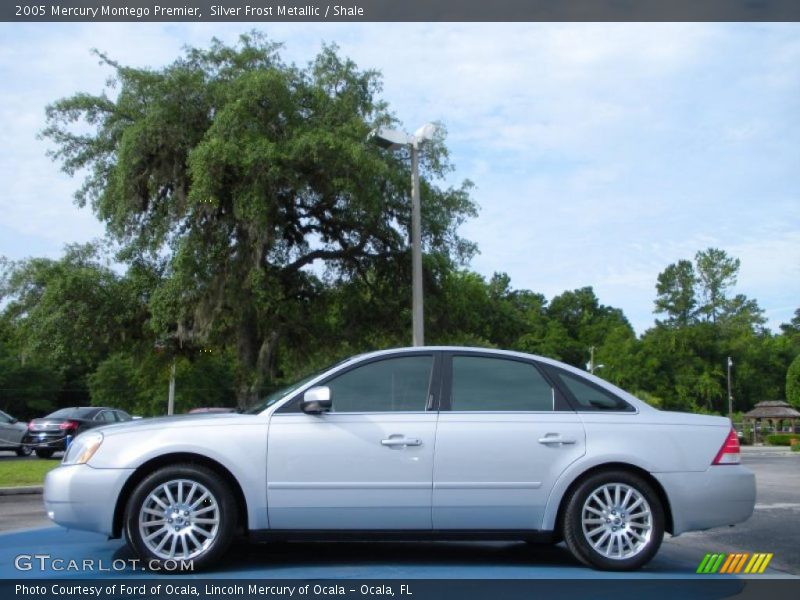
(179, 518)
(617, 521)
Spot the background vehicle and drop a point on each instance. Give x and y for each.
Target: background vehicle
(422, 443)
(11, 434)
(48, 435)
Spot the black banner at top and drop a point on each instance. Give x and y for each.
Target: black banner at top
(398, 10)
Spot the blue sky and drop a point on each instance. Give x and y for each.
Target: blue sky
(601, 152)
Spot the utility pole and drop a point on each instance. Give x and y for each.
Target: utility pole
(171, 400)
(591, 360)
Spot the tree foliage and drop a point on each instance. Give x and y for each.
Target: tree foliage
(793, 383)
(238, 173)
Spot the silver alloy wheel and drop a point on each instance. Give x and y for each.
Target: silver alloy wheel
(617, 521)
(179, 519)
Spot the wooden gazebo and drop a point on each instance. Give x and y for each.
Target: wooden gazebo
(775, 413)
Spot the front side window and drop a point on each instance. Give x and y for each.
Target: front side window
(498, 384)
(391, 385)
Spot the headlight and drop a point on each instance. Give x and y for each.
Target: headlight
(83, 448)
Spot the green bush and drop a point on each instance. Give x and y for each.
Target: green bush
(781, 439)
(796, 448)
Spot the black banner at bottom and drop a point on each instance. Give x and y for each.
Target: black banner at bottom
(192, 588)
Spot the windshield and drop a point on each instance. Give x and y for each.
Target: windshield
(282, 392)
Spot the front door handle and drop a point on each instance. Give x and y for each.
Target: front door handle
(555, 439)
(401, 441)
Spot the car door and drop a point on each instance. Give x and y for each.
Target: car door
(366, 464)
(504, 436)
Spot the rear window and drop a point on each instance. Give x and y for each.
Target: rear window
(72, 413)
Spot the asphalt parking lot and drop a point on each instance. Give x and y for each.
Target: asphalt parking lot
(775, 528)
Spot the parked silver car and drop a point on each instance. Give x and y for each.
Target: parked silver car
(11, 433)
(423, 443)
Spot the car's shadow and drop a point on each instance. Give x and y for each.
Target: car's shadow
(331, 554)
(335, 556)
(417, 560)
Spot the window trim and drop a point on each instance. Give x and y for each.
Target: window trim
(555, 373)
(432, 402)
(560, 403)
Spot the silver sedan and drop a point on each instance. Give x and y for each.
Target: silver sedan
(422, 443)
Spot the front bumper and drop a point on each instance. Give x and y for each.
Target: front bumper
(721, 495)
(82, 497)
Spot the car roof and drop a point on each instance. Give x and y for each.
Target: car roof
(630, 398)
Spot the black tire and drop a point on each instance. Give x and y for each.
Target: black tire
(633, 556)
(24, 451)
(226, 514)
(44, 452)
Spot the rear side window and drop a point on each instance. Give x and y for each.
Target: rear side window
(497, 384)
(588, 396)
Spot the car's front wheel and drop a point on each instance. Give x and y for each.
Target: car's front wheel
(180, 514)
(614, 521)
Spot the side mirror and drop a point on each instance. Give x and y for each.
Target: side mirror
(316, 400)
(14, 420)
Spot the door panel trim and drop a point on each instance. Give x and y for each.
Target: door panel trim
(349, 485)
(487, 485)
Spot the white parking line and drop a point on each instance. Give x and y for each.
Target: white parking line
(779, 505)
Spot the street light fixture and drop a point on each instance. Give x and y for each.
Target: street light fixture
(393, 139)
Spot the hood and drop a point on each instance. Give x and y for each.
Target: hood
(205, 419)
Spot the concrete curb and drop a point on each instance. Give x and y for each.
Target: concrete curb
(22, 490)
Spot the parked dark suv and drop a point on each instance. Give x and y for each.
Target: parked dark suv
(49, 434)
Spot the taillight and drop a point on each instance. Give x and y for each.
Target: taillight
(31, 425)
(68, 425)
(729, 453)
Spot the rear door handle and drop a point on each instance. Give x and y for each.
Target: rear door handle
(555, 439)
(401, 441)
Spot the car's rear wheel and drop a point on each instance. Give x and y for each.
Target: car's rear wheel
(44, 452)
(180, 514)
(24, 451)
(614, 521)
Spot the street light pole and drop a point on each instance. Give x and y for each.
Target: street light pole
(417, 322)
(730, 395)
(393, 139)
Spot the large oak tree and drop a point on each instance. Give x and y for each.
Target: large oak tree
(244, 179)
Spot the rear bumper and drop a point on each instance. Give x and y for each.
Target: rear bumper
(81, 497)
(721, 495)
(45, 441)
